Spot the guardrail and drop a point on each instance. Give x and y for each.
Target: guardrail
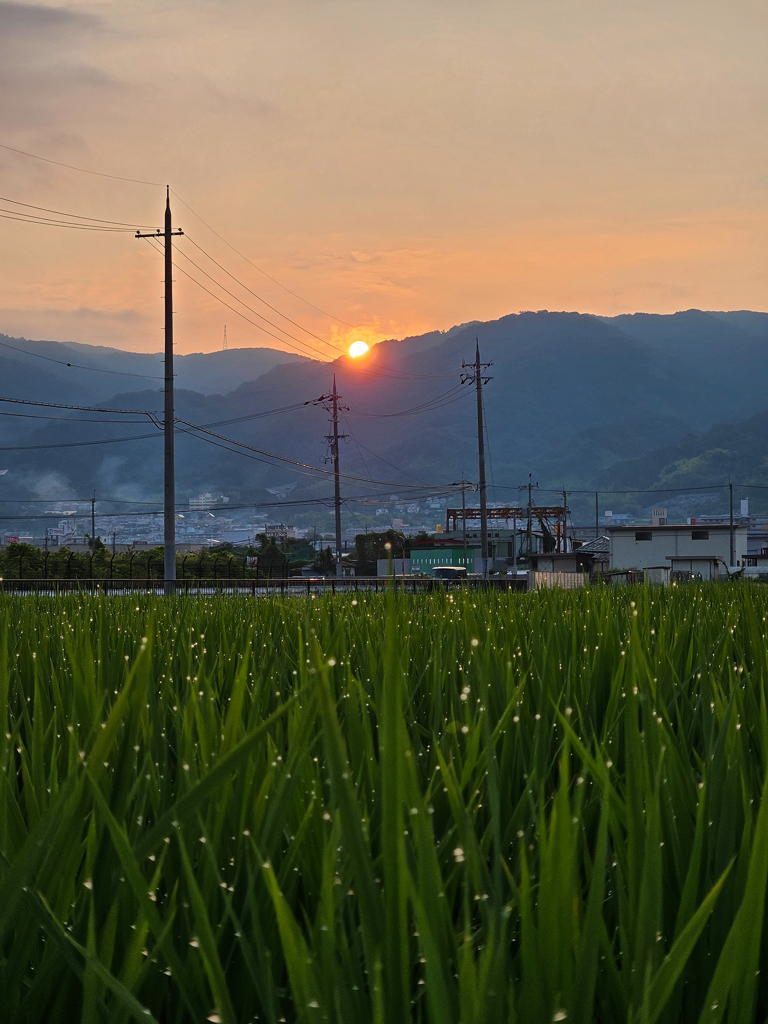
(295, 585)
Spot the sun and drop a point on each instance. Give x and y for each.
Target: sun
(357, 348)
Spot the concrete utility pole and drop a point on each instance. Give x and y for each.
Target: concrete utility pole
(733, 551)
(464, 520)
(93, 522)
(529, 531)
(169, 471)
(597, 516)
(463, 485)
(565, 522)
(332, 403)
(476, 377)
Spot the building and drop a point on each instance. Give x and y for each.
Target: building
(425, 555)
(393, 567)
(505, 547)
(757, 551)
(689, 549)
(591, 557)
(204, 501)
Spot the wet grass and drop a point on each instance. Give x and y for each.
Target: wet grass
(447, 808)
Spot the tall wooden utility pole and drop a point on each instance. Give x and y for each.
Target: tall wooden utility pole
(477, 378)
(169, 472)
(332, 403)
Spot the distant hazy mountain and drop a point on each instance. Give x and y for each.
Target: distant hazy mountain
(577, 400)
(98, 369)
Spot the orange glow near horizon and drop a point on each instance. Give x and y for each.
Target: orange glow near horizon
(357, 349)
(634, 183)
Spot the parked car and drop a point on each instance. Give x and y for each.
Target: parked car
(448, 572)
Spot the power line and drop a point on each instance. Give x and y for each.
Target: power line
(390, 373)
(75, 444)
(80, 501)
(356, 443)
(259, 415)
(63, 419)
(257, 296)
(80, 408)
(83, 170)
(48, 222)
(234, 310)
(375, 454)
(304, 465)
(40, 501)
(251, 310)
(255, 458)
(77, 366)
(255, 505)
(434, 403)
(77, 216)
(631, 490)
(291, 384)
(252, 264)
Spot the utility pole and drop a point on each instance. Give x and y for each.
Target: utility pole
(464, 519)
(565, 521)
(529, 532)
(730, 492)
(597, 517)
(476, 377)
(332, 404)
(463, 485)
(224, 343)
(169, 473)
(93, 522)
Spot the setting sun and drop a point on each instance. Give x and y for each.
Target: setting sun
(358, 348)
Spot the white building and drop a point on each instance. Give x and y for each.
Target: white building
(204, 501)
(691, 548)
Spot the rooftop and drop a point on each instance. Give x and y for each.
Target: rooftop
(597, 545)
(712, 527)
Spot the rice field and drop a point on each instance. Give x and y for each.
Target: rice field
(477, 808)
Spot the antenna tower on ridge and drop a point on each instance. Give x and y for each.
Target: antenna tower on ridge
(224, 343)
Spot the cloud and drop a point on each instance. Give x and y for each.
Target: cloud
(46, 77)
(399, 164)
(33, 19)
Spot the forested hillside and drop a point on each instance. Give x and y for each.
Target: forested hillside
(577, 400)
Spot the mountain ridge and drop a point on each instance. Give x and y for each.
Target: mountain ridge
(572, 396)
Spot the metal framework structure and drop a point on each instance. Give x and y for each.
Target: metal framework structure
(551, 517)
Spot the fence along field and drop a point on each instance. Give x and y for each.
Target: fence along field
(451, 807)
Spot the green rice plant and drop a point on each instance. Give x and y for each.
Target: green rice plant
(466, 807)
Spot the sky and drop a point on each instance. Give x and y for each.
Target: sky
(382, 168)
